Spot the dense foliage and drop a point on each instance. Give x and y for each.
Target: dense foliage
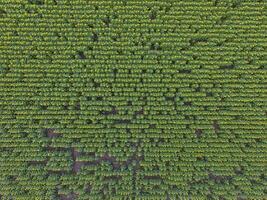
(138, 99)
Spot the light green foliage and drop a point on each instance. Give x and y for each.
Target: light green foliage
(121, 99)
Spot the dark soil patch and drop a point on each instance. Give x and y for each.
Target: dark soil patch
(168, 98)
(36, 2)
(107, 21)
(188, 103)
(77, 106)
(202, 158)
(239, 170)
(209, 94)
(71, 196)
(88, 188)
(59, 172)
(216, 126)
(153, 15)
(49, 148)
(122, 121)
(231, 66)
(198, 133)
(185, 71)
(94, 37)
(50, 133)
(114, 177)
(12, 178)
(139, 112)
(152, 126)
(112, 112)
(194, 41)
(2, 12)
(153, 177)
(65, 106)
(155, 47)
(77, 165)
(99, 98)
(218, 178)
(74, 154)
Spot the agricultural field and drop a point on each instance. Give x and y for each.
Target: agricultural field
(133, 99)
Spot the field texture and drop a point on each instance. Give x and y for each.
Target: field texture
(137, 99)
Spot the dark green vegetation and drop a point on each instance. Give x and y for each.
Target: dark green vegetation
(133, 99)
